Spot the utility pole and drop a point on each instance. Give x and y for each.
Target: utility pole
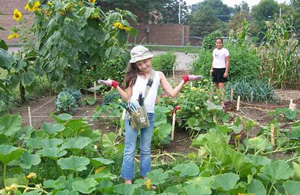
(179, 11)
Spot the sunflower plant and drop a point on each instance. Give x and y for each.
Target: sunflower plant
(76, 36)
(22, 71)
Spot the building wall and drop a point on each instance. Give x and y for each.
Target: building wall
(162, 34)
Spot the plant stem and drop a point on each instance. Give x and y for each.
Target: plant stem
(4, 175)
(271, 188)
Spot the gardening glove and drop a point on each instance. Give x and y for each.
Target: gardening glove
(109, 82)
(190, 77)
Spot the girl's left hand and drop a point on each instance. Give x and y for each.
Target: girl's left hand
(225, 75)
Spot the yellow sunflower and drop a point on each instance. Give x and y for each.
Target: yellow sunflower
(13, 35)
(17, 15)
(34, 8)
(92, 1)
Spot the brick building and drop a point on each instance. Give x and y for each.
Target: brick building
(160, 34)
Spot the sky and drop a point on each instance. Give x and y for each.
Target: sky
(231, 3)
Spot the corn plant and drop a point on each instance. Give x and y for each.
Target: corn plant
(279, 53)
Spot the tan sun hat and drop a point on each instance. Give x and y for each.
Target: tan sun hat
(139, 53)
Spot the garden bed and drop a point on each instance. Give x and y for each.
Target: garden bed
(42, 108)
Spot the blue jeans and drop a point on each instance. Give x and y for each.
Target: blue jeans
(127, 171)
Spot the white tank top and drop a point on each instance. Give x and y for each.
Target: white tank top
(140, 86)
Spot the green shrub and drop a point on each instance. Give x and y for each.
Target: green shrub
(67, 101)
(243, 63)
(252, 90)
(210, 40)
(109, 69)
(164, 62)
(111, 96)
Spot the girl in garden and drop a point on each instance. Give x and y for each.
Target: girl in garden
(136, 79)
(220, 66)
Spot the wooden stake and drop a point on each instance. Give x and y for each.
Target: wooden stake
(292, 106)
(29, 117)
(173, 125)
(95, 93)
(231, 94)
(238, 103)
(174, 73)
(272, 135)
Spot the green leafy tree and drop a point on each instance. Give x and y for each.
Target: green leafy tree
(243, 6)
(295, 5)
(209, 16)
(146, 9)
(266, 10)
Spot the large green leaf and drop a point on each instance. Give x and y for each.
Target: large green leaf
(50, 143)
(2, 43)
(62, 117)
(158, 176)
(9, 153)
(97, 162)
(53, 153)
(67, 192)
(10, 124)
(189, 169)
(6, 60)
(278, 170)
(28, 78)
(53, 128)
(211, 106)
(85, 186)
(258, 160)
(296, 168)
(256, 187)
(226, 181)
(74, 163)
(20, 65)
(193, 189)
(108, 140)
(28, 160)
(126, 189)
(34, 192)
(58, 184)
(292, 187)
(77, 142)
(242, 164)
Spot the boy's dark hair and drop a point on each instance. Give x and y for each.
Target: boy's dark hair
(220, 39)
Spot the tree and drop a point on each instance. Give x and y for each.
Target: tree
(295, 6)
(266, 10)
(208, 16)
(203, 22)
(243, 6)
(236, 23)
(144, 9)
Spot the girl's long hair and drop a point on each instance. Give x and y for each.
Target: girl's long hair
(131, 75)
